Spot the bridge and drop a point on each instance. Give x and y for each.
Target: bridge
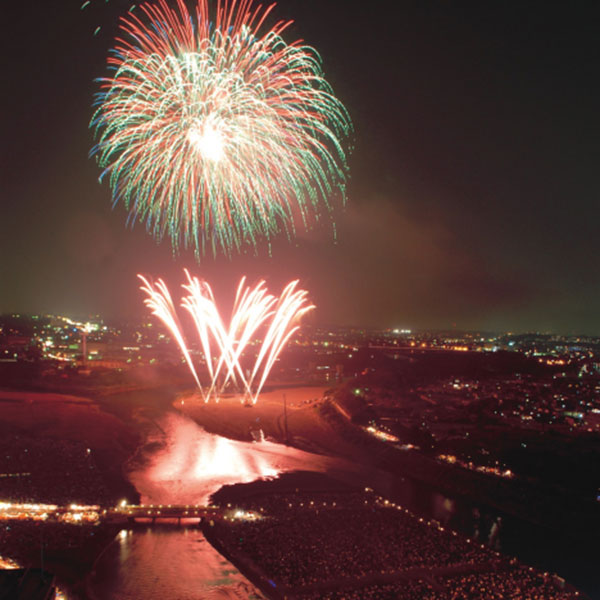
(161, 512)
(122, 514)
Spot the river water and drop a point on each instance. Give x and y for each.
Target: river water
(166, 562)
(183, 464)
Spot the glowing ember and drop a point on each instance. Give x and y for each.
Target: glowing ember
(8, 563)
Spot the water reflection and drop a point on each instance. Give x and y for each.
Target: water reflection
(184, 464)
(166, 562)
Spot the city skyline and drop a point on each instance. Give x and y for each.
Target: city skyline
(472, 192)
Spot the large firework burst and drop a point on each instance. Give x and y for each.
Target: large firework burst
(216, 132)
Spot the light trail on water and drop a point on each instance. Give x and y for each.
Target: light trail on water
(192, 464)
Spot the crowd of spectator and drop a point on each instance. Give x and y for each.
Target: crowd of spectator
(66, 550)
(519, 583)
(307, 541)
(51, 471)
(409, 589)
(365, 547)
(20, 540)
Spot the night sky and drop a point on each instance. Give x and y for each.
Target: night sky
(473, 200)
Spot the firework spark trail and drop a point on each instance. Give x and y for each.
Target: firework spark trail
(160, 303)
(249, 313)
(200, 304)
(214, 131)
(290, 308)
(224, 346)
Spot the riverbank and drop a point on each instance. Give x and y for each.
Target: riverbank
(518, 497)
(319, 426)
(67, 551)
(61, 449)
(247, 568)
(61, 442)
(304, 543)
(305, 428)
(469, 502)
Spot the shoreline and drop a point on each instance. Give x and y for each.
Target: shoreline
(257, 578)
(494, 493)
(549, 527)
(138, 410)
(478, 488)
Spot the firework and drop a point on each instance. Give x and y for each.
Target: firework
(94, 3)
(160, 303)
(255, 314)
(215, 132)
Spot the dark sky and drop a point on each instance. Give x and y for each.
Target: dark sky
(473, 199)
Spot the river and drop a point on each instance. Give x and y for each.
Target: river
(183, 464)
(166, 562)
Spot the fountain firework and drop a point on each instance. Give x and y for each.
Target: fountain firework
(255, 311)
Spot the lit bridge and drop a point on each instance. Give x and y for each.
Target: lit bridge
(121, 514)
(161, 512)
